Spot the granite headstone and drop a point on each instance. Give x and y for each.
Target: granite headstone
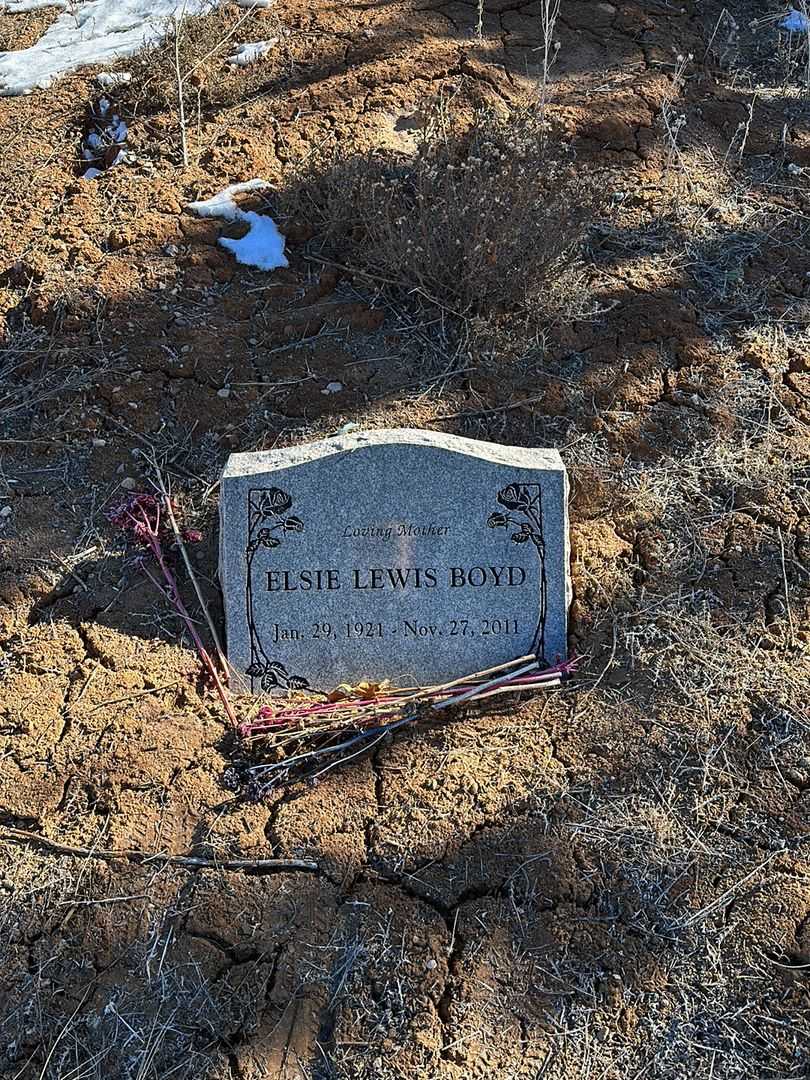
(404, 555)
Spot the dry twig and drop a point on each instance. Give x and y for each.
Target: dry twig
(191, 862)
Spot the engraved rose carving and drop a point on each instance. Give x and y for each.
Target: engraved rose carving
(516, 497)
(524, 505)
(274, 501)
(267, 508)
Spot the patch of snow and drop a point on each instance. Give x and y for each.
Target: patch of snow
(222, 204)
(332, 388)
(103, 143)
(86, 32)
(91, 174)
(17, 7)
(263, 245)
(251, 51)
(796, 22)
(109, 80)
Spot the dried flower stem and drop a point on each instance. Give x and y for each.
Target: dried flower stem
(475, 690)
(294, 722)
(309, 740)
(141, 516)
(173, 593)
(487, 671)
(167, 502)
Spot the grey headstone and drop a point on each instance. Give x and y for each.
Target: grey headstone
(402, 554)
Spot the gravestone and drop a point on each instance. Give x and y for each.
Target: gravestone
(404, 555)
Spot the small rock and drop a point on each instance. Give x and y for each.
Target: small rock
(129, 483)
(5, 512)
(224, 392)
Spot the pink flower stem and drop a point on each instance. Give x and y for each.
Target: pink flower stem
(173, 592)
(390, 704)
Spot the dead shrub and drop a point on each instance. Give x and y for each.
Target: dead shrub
(486, 220)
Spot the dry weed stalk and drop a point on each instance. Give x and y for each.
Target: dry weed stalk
(135, 855)
(728, 44)
(549, 13)
(804, 11)
(673, 120)
(181, 97)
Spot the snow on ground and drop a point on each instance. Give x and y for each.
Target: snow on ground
(251, 51)
(796, 22)
(263, 245)
(222, 204)
(86, 32)
(104, 142)
(16, 7)
(111, 80)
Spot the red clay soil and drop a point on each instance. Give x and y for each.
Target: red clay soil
(610, 881)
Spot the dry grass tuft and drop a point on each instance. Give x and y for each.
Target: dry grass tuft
(104, 983)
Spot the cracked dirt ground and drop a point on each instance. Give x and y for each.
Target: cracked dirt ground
(611, 881)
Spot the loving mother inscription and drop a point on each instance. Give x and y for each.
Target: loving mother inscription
(399, 554)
